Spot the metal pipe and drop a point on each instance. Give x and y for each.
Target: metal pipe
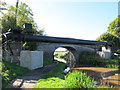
(40, 38)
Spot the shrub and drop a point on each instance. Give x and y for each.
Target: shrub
(91, 59)
(77, 79)
(112, 63)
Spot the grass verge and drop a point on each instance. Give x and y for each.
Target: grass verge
(47, 61)
(10, 71)
(77, 79)
(55, 79)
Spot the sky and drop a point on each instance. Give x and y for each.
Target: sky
(81, 19)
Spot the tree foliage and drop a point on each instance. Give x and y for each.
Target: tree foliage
(13, 21)
(113, 33)
(24, 15)
(2, 7)
(110, 38)
(2, 3)
(114, 27)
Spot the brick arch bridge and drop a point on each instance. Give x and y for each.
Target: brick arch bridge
(49, 49)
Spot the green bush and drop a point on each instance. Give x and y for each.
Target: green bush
(95, 60)
(112, 63)
(77, 79)
(91, 59)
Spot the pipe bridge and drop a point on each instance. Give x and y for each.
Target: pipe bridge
(49, 44)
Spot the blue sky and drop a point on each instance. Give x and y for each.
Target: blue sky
(74, 19)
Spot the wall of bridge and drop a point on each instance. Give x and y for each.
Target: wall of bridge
(49, 49)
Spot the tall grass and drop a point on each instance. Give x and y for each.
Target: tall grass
(77, 79)
(10, 71)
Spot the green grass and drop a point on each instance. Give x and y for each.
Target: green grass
(56, 72)
(53, 79)
(47, 61)
(50, 83)
(10, 71)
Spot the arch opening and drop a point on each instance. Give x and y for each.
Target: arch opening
(66, 55)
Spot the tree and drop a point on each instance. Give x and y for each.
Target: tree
(113, 33)
(110, 38)
(24, 15)
(2, 7)
(114, 27)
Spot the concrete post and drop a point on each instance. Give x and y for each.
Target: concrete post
(31, 59)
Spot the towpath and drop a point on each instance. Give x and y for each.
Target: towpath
(29, 80)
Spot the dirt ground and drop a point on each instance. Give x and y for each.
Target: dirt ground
(105, 74)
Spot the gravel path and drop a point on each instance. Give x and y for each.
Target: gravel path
(29, 80)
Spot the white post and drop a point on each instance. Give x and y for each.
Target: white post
(106, 52)
(31, 59)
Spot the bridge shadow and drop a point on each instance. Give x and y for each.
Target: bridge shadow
(56, 72)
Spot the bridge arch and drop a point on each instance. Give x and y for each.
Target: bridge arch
(71, 55)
